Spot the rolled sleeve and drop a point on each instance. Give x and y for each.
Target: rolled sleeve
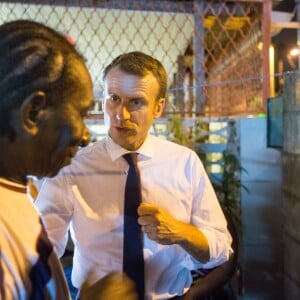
(208, 217)
(219, 247)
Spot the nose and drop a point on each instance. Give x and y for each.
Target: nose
(123, 114)
(86, 137)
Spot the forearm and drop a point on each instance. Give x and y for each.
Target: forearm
(193, 241)
(161, 227)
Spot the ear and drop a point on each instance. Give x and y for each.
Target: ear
(30, 111)
(159, 107)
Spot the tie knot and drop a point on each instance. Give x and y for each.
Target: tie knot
(131, 158)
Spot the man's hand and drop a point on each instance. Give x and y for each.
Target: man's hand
(161, 227)
(114, 286)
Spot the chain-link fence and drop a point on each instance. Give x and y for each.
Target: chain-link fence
(209, 48)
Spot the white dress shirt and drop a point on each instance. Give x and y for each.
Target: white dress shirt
(88, 195)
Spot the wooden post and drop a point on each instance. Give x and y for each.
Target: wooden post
(266, 40)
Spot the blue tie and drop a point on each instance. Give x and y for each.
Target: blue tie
(133, 260)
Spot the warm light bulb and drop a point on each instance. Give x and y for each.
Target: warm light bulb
(295, 52)
(260, 46)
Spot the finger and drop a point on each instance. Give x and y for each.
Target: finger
(148, 220)
(148, 228)
(144, 229)
(147, 208)
(150, 231)
(152, 234)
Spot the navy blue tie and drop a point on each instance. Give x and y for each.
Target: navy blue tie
(133, 259)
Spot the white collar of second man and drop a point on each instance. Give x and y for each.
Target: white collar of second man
(115, 151)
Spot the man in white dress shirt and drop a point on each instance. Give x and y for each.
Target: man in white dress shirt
(183, 224)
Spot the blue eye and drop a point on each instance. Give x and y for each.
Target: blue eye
(136, 103)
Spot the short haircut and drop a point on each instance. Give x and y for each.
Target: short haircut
(33, 57)
(141, 64)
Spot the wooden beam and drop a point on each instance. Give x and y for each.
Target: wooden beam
(266, 39)
(292, 25)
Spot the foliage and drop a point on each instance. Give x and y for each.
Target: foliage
(178, 133)
(228, 186)
(231, 183)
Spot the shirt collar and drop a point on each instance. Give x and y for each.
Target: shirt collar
(11, 185)
(115, 151)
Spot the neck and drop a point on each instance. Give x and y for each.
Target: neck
(12, 166)
(21, 180)
(8, 172)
